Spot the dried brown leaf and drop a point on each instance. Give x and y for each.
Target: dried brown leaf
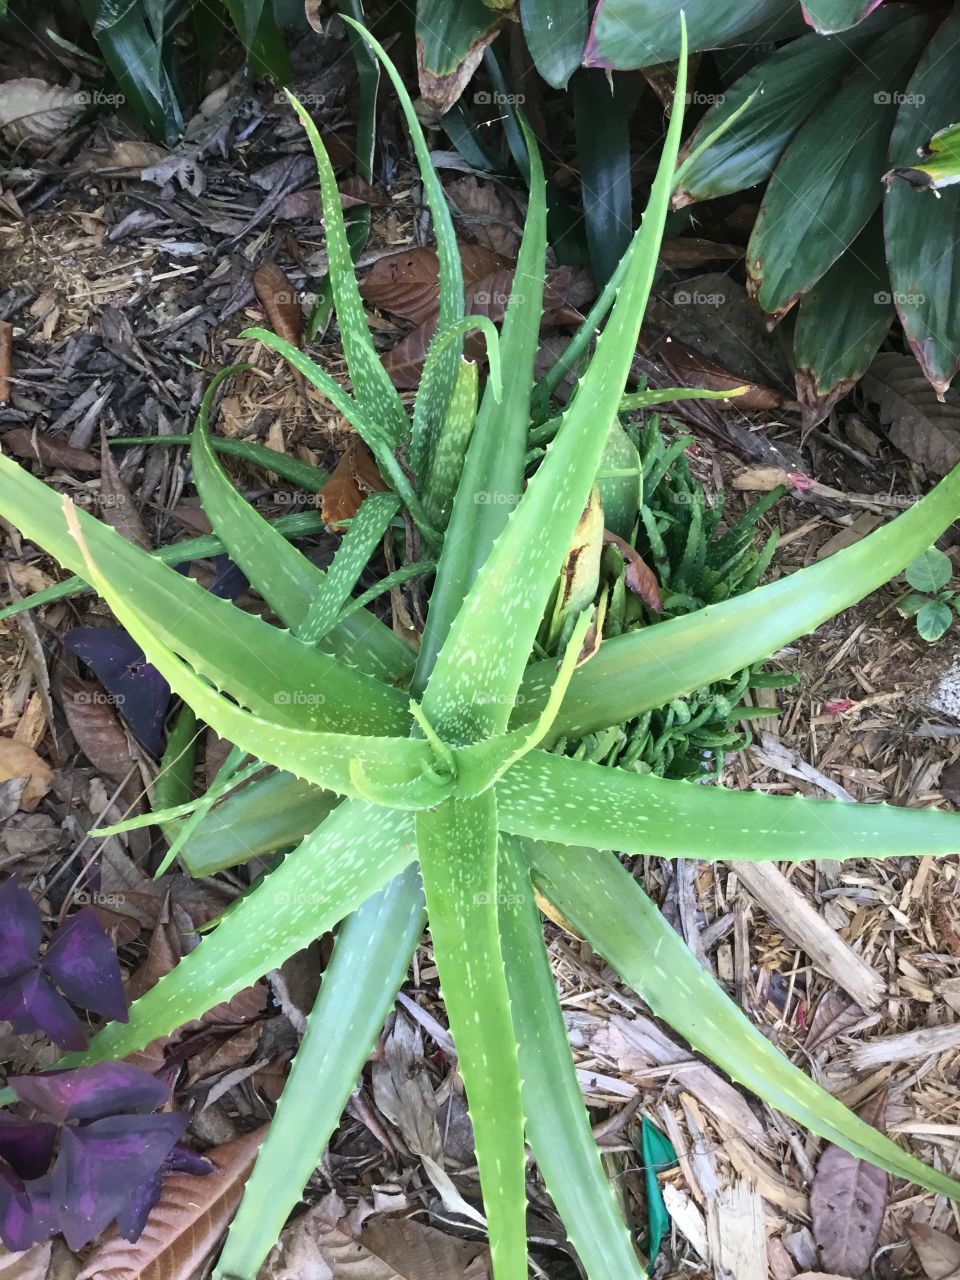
(920, 425)
(694, 370)
(847, 1202)
(440, 92)
(23, 443)
(407, 284)
(325, 1242)
(184, 1225)
(640, 578)
(35, 113)
(490, 215)
(939, 1254)
(279, 300)
(354, 476)
(6, 359)
(31, 1264)
(18, 760)
(97, 728)
(116, 501)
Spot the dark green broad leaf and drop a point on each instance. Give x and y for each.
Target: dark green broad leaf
(841, 323)
(791, 84)
(449, 33)
(933, 620)
(931, 570)
(940, 158)
(828, 183)
(556, 32)
(601, 115)
(639, 33)
(922, 231)
(829, 16)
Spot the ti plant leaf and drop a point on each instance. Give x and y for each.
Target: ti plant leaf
(608, 908)
(829, 16)
(641, 33)
(922, 232)
(556, 32)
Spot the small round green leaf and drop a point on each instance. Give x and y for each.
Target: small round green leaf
(933, 620)
(911, 605)
(930, 571)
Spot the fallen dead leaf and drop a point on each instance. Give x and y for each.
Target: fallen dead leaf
(24, 443)
(354, 476)
(488, 212)
(6, 359)
(31, 1264)
(116, 501)
(407, 284)
(848, 1201)
(939, 1254)
(18, 760)
(34, 113)
(279, 300)
(97, 728)
(640, 578)
(920, 425)
(184, 1225)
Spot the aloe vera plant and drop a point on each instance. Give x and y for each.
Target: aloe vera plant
(425, 785)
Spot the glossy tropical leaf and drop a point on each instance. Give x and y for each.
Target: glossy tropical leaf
(608, 908)
(841, 323)
(649, 667)
(601, 117)
(549, 797)
(788, 85)
(556, 32)
(923, 232)
(829, 16)
(640, 33)
(449, 35)
(457, 843)
(557, 1124)
(940, 165)
(370, 960)
(259, 666)
(828, 184)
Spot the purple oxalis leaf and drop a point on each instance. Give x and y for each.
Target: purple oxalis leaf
(102, 1168)
(139, 690)
(32, 1003)
(20, 1227)
(20, 930)
(26, 1145)
(82, 962)
(92, 1093)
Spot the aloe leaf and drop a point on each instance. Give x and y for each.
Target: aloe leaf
(620, 481)
(828, 183)
(492, 477)
(573, 802)
(651, 666)
(360, 541)
(370, 960)
(353, 854)
(371, 382)
(271, 813)
(446, 459)
(608, 908)
(558, 1127)
(761, 112)
(519, 571)
(457, 843)
(667, 395)
(429, 410)
(448, 254)
(259, 455)
(350, 764)
(362, 415)
(286, 579)
(922, 231)
(173, 785)
(262, 667)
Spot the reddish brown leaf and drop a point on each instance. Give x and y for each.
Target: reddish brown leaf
(24, 443)
(96, 726)
(407, 284)
(185, 1224)
(939, 1254)
(847, 1203)
(691, 369)
(18, 760)
(279, 300)
(116, 502)
(6, 359)
(640, 578)
(354, 476)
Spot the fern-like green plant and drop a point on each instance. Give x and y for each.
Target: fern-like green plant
(424, 785)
